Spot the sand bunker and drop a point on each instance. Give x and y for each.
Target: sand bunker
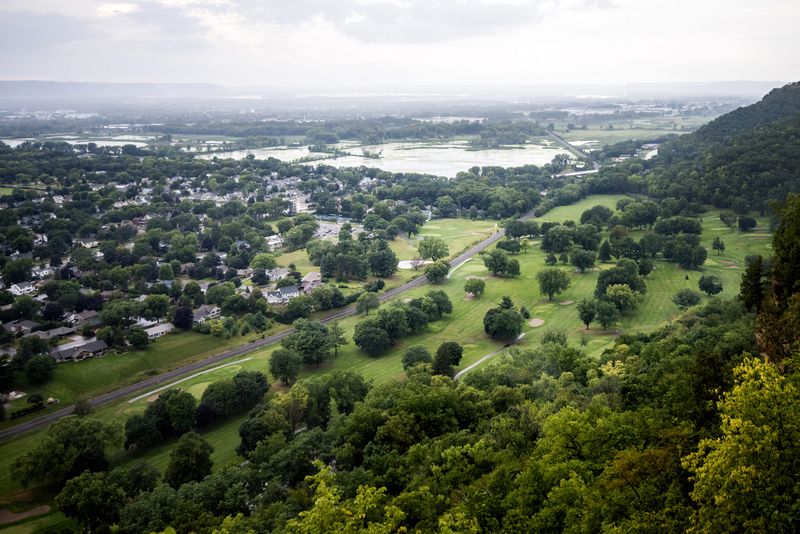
(410, 264)
(567, 302)
(536, 322)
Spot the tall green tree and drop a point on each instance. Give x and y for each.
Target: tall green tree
(189, 460)
(552, 281)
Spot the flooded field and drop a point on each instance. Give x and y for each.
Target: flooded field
(441, 159)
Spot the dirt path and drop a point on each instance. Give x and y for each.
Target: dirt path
(7, 516)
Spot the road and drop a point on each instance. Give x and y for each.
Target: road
(575, 150)
(155, 381)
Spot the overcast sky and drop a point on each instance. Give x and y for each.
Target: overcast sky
(320, 44)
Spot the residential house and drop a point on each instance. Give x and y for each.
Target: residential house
(79, 350)
(22, 288)
(310, 282)
(155, 332)
(274, 242)
(282, 295)
(205, 313)
(47, 335)
(277, 273)
(20, 327)
(41, 273)
(84, 318)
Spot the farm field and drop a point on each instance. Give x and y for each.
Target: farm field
(465, 324)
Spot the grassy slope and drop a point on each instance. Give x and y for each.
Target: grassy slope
(465, 325)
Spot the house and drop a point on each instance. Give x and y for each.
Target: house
(282, 295)
(205, 313)
(47, 335)
(20, 327)
(22, 288)
(155, 332)
(41, 273)
(274, 242)
(277, 273)
(79, 350)
(84, 318)
(310, 282)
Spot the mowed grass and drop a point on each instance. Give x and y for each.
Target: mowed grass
(465, 325)
(94, 376)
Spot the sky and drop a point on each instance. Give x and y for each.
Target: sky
(399, 44)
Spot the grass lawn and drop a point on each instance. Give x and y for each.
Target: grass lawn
(465, 325)
(98, 375)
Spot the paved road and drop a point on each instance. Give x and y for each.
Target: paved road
(155, 381)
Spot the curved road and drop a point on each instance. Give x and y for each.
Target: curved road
(123, 392)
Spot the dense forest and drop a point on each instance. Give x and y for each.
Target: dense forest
(741, 160)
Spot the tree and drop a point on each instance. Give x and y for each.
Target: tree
(263, 261)
(550, 259)
(137, 337)
(371, 337)
(746, 223)
(607, 314)
(165, 272)
(718, 245)
(39, 368)
(183, 318)
(710, 284)
(337, 337)
(82, 407)
(432, 248)
(622, 296)
(686, 298)
(414, 356)
(382, 260)
(786, 248)
(746, 477)
(91, 500)
(52, 311)
(512, 246)
(71, 446)
(552, 281)
(285, 365)
(605, 251)
(436, 272)
(311, 340)
(503, 324)
(24, 307)
(367, 301)
(645, 266)
(475, 286)
(587, 310)
(583, 259)
(155, 306)
(30, 346)
(753, 287)
(189, 460)
(447, 355)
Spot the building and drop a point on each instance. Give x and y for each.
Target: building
(205, 313)
(310, 282)
(282, 295)
(41, 273)
(22, 288)
(20, 327)
(80, 350)
(84, 318)
(47, 335)
(155, 332)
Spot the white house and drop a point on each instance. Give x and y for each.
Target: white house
(205, 313)
(22, 288)
(155, 332)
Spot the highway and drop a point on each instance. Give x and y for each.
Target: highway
(168, 376)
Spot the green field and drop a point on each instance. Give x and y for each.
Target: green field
(628, 129)
(465, 324)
